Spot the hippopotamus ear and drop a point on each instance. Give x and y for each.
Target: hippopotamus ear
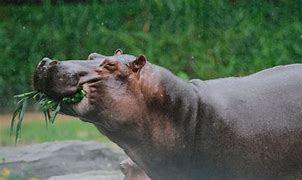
(118, 52)
(138, 63)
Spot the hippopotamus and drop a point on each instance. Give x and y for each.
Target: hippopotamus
(228, 128)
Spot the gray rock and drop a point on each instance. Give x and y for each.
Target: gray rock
(63, 160)
(91, 175)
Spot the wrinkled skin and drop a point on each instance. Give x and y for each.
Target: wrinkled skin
(230, 128)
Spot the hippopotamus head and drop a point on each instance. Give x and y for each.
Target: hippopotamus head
(109, 81)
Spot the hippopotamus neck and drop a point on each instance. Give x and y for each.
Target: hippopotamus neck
(171, 104)
(170, 119)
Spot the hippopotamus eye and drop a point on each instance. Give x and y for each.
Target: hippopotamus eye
(111, 66)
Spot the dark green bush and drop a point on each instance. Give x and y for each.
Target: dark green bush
(193, 38)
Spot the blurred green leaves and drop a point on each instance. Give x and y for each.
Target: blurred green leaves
(192, 38)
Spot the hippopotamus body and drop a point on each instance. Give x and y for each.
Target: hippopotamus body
(230, 128)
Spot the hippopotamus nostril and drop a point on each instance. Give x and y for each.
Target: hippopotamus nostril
(52, 63)
(44, 61)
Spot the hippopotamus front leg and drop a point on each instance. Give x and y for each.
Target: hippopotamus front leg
(131, 171)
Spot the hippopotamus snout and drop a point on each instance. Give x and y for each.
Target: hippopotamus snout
(58, 79)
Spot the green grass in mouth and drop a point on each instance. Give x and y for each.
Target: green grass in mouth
(49, 106)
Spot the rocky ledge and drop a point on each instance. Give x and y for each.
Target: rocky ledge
(64, 160)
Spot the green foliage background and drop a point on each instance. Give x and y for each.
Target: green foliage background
(193, 38)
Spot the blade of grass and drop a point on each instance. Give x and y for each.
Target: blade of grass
(28, 94)
(46, 119)
(15, 114)
(54, 113)
(48, 115)
(20, 120)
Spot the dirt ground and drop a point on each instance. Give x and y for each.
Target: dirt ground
(5, 119)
